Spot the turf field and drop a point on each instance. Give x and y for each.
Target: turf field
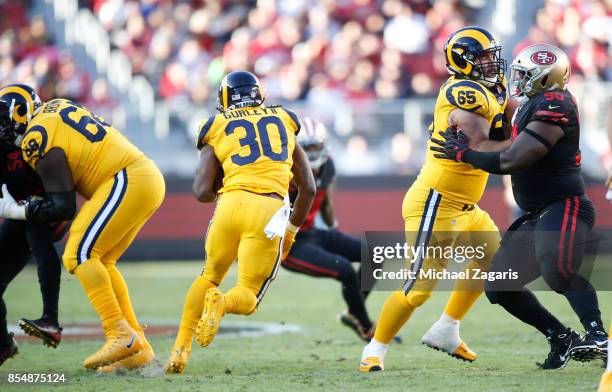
(323, 355)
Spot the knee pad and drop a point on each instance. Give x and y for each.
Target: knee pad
(417, 298)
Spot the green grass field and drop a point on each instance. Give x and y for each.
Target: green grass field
(323, 356)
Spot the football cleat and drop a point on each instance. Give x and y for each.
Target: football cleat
(142, 358)
(605, 384)
(346, 318)
(121, 342)
(444, 336)
(593, 345)
(560, 346)
(10, 350)
(208, 326)
(50, 332)
(351, 321)
(371, 364)
(177, 361)
(373, 356)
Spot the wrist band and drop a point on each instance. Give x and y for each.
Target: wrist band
(292, 228)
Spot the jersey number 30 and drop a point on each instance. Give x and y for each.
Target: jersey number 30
(250, 140)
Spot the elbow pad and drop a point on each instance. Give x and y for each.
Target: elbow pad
(56, 207)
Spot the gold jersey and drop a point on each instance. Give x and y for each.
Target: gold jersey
(255, 147)
(455, 180)
(95, 151)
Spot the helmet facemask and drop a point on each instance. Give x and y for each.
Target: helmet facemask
(523, 79)
(317, 154)
(488, 66)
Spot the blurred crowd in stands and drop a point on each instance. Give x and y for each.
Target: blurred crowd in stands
(317, 51)
(303, 49)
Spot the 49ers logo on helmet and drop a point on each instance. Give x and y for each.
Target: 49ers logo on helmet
(543, 57)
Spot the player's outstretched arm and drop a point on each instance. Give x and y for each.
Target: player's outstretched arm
(60, 202)
(207, 171)
(531, 145)
(304, 180)
(476, 128)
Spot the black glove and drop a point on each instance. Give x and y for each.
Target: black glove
(453, 147)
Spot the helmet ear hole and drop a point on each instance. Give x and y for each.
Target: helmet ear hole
(544, 80)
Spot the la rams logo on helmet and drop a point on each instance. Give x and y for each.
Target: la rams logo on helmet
(543, 57)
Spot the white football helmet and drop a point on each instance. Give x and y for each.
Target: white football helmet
(312, 138)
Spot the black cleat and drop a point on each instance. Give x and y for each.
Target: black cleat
(9, 351)
(50, 332)
(351, 321)
(560, 345)
(594, 345)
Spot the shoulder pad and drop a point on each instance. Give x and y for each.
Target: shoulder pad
(467, 95)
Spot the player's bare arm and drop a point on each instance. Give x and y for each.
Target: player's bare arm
(60, 204)
(476, 128)
(531, 145)
(207, 171)
(304, 180)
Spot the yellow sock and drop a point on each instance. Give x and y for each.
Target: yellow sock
(123, 296)
(97, 284)
(464, 295)
(192, 312)
(240, 300)
(395, 312)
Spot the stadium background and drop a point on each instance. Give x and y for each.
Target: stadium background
(369, 69)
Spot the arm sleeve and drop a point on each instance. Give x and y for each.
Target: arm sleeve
(56, 207)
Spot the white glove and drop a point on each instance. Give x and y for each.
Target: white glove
(9, 208)
(609, 195)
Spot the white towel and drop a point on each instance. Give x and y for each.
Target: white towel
(278, 224)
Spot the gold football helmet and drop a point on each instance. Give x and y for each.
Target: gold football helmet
(538, 68)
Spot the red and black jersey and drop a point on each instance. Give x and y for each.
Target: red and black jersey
(23, 182)
(323, 179)
(20, 179)
(558, 174)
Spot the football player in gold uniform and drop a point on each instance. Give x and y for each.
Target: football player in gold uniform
(74, 151)
(443, 198)
(253, 148)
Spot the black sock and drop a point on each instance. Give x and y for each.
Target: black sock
(4, 334)
(48, 267)
(364, 293)
(525, 306)
(354, 300)
(585, 305)
(50, 297)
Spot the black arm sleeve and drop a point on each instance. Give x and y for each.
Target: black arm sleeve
(487, 161)
(56, 207)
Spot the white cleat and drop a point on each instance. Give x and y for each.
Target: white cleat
(372, 357)
(444, 336)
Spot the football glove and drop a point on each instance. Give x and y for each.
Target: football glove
(289, 239)
(9, 208)
(453, 147)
